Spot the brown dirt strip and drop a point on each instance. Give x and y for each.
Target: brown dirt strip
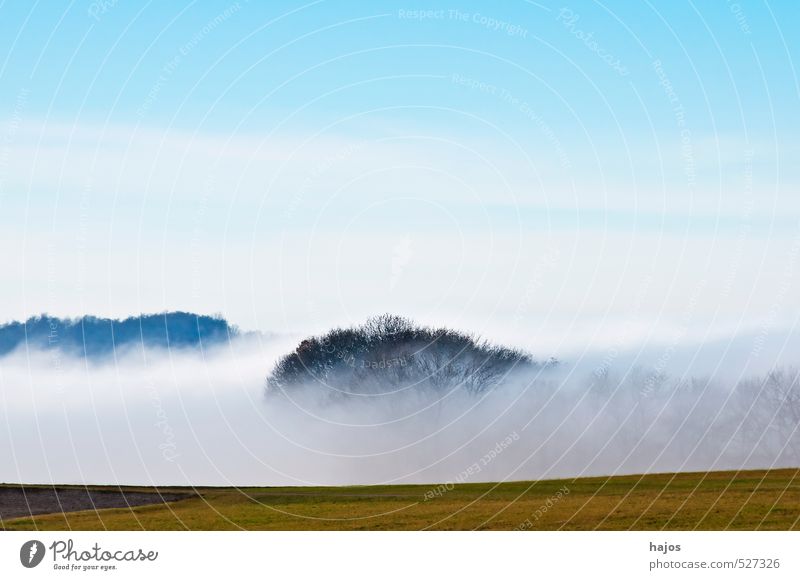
(25, 501)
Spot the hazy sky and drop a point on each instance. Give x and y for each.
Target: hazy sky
(556, 174)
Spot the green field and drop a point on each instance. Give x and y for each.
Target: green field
(746, 500)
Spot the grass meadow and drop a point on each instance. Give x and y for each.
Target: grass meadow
(744, 500)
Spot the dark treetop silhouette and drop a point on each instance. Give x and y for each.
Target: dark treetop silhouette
(389, 353)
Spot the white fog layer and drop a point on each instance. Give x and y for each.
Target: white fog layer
(177, 417)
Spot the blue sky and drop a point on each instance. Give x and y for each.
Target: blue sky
(103, 68)
(294, 165)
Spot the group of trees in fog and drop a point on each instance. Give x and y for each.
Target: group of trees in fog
(92, 336)
(756, 419)
(390, 353)
(625, 420)
(769, 411)
(691, 423)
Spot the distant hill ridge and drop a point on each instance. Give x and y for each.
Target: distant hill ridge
(91, 336)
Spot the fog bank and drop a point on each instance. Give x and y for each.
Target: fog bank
(190, 418)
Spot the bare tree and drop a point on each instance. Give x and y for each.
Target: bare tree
(767, 416)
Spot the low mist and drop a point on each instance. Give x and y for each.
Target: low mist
(185, 417)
